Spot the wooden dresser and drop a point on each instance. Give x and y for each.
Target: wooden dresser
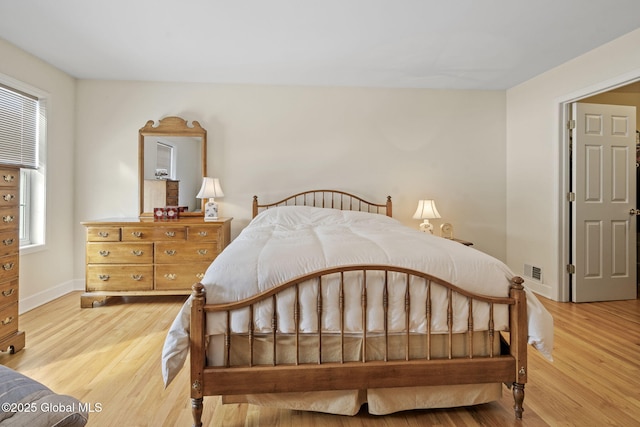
(11, 339)
(145, 257)
(159, 193)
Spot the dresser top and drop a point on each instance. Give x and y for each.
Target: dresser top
(144, 222)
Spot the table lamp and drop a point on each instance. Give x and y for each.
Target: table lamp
(210, 190)
(426, 210)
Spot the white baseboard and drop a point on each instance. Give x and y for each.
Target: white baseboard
(538, 288)
(29, 303)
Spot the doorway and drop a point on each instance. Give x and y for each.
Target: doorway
(578, 276)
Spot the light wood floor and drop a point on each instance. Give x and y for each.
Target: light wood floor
(111, 355)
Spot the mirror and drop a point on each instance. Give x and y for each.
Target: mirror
(172, 160)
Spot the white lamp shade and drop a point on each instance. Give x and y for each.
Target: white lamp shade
(426, 210)
(210, 188)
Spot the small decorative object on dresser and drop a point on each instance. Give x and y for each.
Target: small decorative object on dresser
(11, 339)
(446, 230)
(136, 257)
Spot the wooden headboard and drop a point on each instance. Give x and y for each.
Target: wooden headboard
(333, 199)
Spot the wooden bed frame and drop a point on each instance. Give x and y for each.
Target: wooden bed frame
(509, 366)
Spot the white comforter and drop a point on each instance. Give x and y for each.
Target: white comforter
(286, 242)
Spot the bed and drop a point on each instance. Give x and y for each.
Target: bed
(324, 302)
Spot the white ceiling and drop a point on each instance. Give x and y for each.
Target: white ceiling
(462, 44)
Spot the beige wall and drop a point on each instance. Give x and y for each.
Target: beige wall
(536, 187)
(49, 272)
(273, 140)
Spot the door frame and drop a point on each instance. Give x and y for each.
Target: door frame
(564, 207)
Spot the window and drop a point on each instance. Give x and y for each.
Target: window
(164, 161)
(22, 138)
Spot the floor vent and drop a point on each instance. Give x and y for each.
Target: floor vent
(533, 272)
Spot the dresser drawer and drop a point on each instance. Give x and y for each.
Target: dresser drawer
(151, 234)
(9, 196)
(179, 276)
(9, 177)
(104, 277)
(9, 217)
(119, 253)
(8, 292)
(8, 319)
(9, 267)
(185, 252)
(204, 233)
(9, 242)
(103, 234)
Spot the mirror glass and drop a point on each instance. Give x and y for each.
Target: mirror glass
(172, 163)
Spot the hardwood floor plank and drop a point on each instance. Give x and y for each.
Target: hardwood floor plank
(111, 355)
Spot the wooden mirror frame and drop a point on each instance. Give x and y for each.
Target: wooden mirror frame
(169, 126)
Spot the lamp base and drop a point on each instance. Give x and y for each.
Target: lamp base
(210, 211)
(426, 227)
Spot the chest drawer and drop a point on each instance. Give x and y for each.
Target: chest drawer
(8, 292)
(9, 217)
(9, 196)
(105, 277)
(8, 319)
(185, 252)
(179, 276)
(119, 253)
(8, 267)
(9, 177)
(204, 234)
(149, 234)
(103, 234)
(9, 242)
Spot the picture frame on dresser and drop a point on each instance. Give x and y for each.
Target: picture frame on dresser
(138, 257)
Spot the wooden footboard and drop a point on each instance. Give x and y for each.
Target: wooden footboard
(508, 366)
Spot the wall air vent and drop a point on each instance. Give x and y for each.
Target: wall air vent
(533, 272)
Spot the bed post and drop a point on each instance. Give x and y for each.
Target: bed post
(255, 206)
(197, 341)
(519, 337)
(389, 208)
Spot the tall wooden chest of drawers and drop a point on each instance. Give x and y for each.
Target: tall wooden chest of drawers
(11, 339)
(141, 257)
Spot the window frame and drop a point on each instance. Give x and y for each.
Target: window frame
(32, 183)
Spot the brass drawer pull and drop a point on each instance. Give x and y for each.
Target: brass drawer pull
(170, 234)
(8, 178)
(171, 276)
(103, 233)
(136, 234)
(136, 277)
(202, 251)
(137, 252)
(8, 293)
(8, 266)
(170, 252)
(203, 234)
(104, 253)
(103, 277)
(7, 320)
(8, 242)
(8, 218)
(8, 197)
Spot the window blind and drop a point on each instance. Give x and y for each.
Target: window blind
(19, 117)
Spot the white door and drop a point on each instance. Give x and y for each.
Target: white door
(604, 220)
